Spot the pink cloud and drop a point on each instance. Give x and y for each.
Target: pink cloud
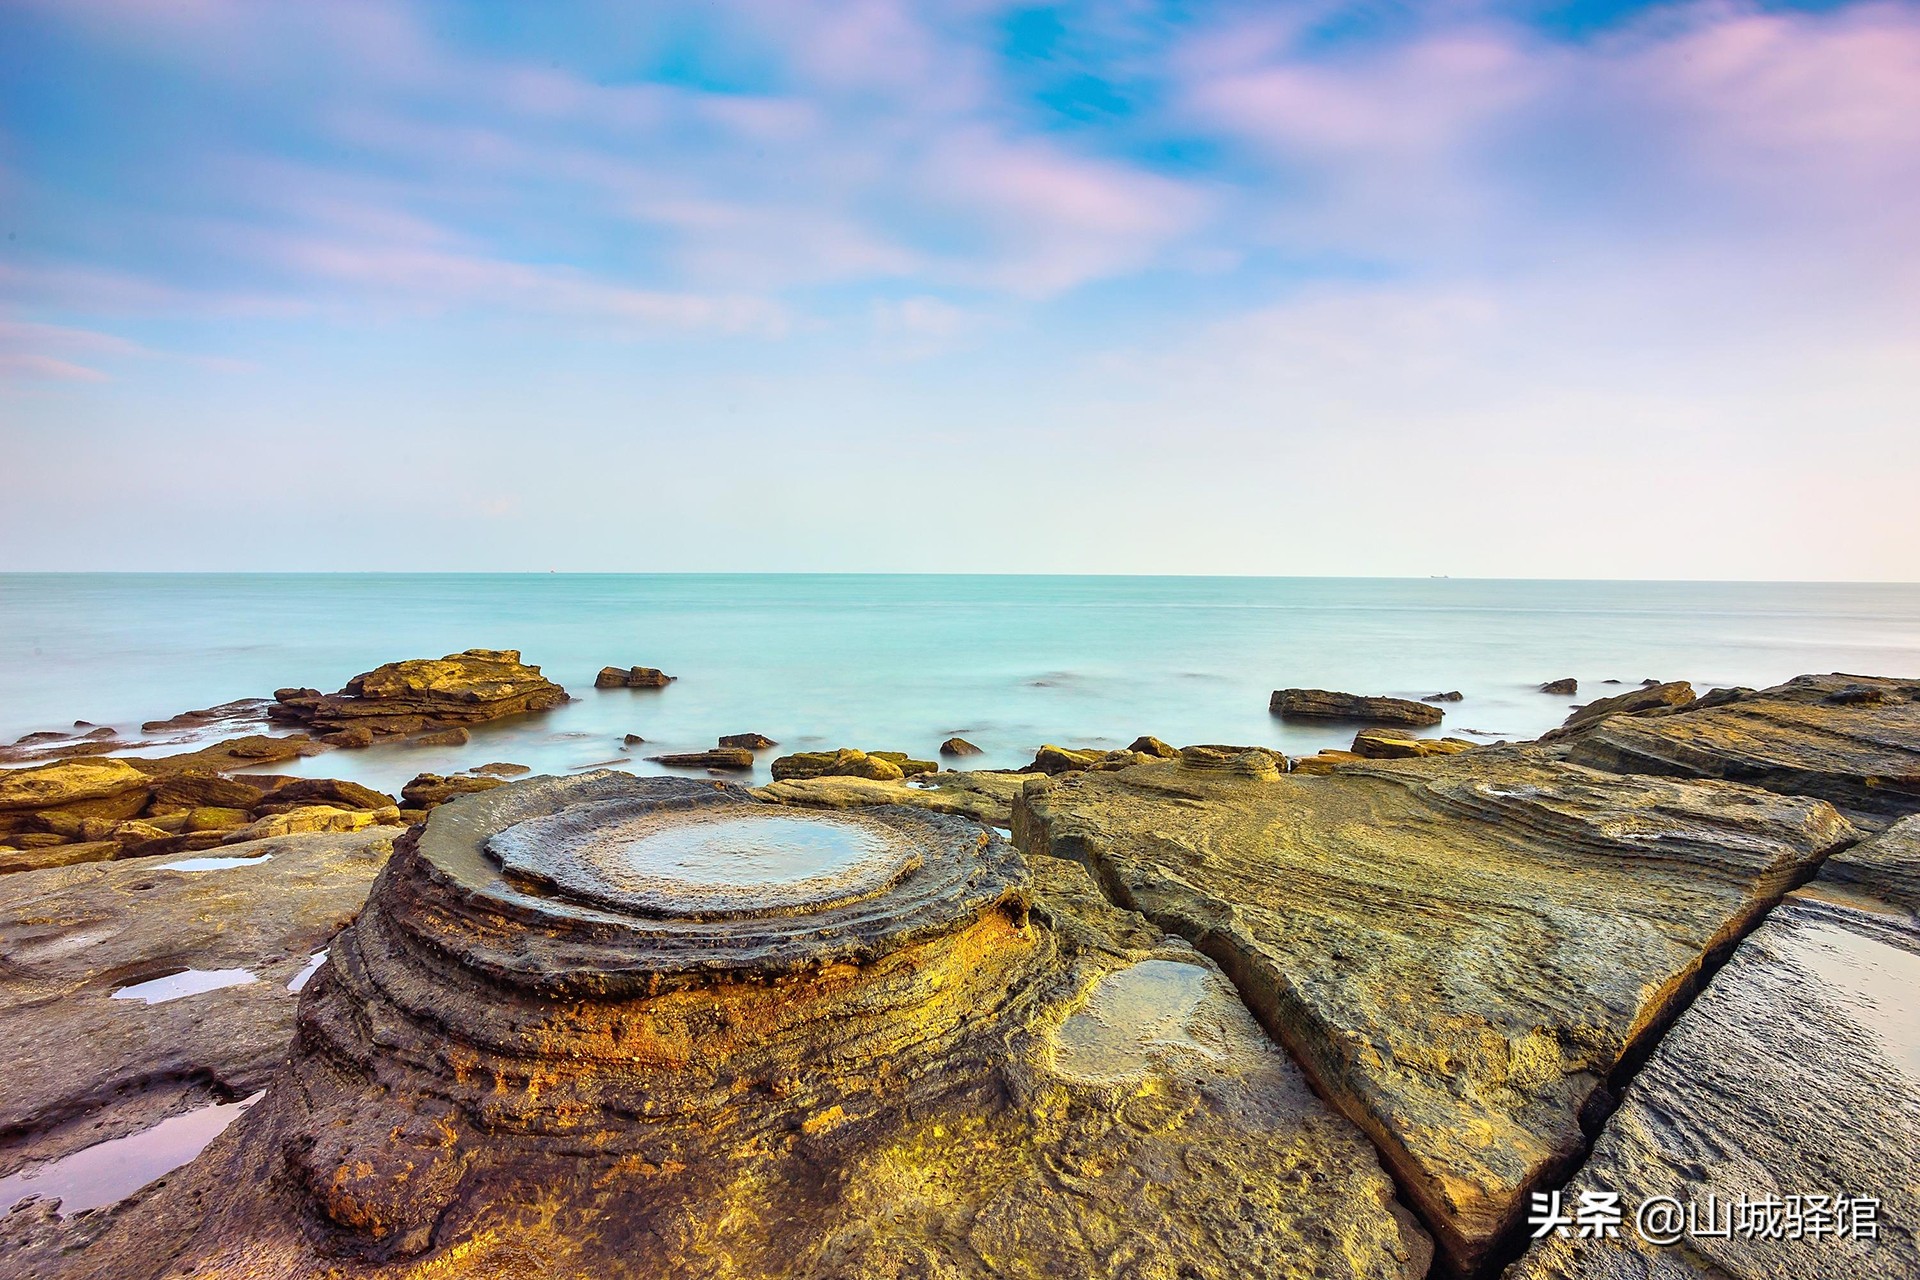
(21, 365)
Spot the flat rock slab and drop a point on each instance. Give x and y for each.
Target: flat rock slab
(80, 1066)
(984, 797)
(1796, 1073)
(1851, 740)
(1460, 951)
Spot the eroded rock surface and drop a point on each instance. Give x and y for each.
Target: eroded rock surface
(1852, 740)
(424, 694)
(1651, 699)
(984, 797)
(961, 1065)
(80, 1066)
(1795, 1073)
(1461, 951)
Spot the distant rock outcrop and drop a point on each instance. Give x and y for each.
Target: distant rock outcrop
(1325, 704)
(632, 678)
(423, 694)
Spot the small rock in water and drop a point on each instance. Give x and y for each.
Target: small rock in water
(958, 747)
(631, 678)
(632, 740)
(718, 758)
(748, 741)
(1565, 688)
(501, 769)
(1325, 704)
(454, 737)
(1453, 695)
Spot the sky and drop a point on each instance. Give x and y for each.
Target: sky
(1472, 287)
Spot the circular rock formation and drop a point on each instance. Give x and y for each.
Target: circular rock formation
(608, 1026)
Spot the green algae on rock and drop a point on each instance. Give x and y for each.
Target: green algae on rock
(939, 1072)
(1461, 951)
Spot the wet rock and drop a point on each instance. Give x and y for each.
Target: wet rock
(1652, 700)
(430, 789)
(1461, 951)
(501, 769)
(1792, 1075)
(951, 1065)
(983, 797)
(422, 694)
(330, 791)
(847, 762)
(908, 766)
(242, 711)
(236, 753)
(1564, 688)
(1861, 754)
(632, 678)
(632, 740)
(958, 747)
(748, 741)
(1386, 744)
(1453, 695)
(1324, 704)
(82, 1067)
(454, 737)
(717, 758)
(353, 738)
(1148, 745)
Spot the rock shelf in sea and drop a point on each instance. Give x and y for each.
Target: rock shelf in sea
(1209, 1012)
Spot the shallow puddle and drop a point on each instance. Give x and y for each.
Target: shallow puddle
(211, 864)
(301, 978)
(1140, 1016)
(113, 1170)
(1878, 983)
(188, 982)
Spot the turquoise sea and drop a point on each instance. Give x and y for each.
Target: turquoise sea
(902, 662)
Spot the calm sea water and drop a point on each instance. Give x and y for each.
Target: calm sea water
(900, 663)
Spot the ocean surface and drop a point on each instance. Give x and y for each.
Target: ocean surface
(902, 662)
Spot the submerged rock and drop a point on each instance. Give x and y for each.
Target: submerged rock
(1461, 951)
(1452, 695)
(1796, 1073)
(1324, 704)
(1563, 688)
(909, 1054)
(1852, 740)
(424, 694)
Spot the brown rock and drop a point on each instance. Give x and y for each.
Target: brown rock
(1658, 699)
(983, 797)
(1799, 738)
(1324, 704)
(1461, 951)
(1388, 744)
(958, 747)
(748, 741)
(1453, 695)
(847, 762)
(1148, 745)
(430, 789)
(717, 758)
(1563, 688)
(1325, 762)
(60, 855)
(453, 737)
(424, 694)
(53, 786)
(194, 788)
(310, 818)
(906, 764)
(501, 769)
(352, 738)
(1257, 763)
(244, 710)
(331, 791)
(631, 678)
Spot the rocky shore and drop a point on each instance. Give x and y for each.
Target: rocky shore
(1158, 1012)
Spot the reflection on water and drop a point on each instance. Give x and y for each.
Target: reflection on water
(1140, 1015)
(187, 982)
(1878, 983)
(110, 1171)
(211, 864)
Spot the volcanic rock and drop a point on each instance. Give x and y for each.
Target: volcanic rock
(80, 1066)
(847, 762)
(550, 1045)
(1461, 951)
(422, 694)
(430, 789)
(632, 678)
(1387, 744)
(749, 741)
(1792, 1075)
(1650, 700)
(1563, 688)
(1814, 736)
(958, 747)
(1324, 704)
(717, 758)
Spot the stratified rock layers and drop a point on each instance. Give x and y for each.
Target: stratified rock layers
(464, 688)
(1852, 740)
(920, 1058)
(1795, 1074)
(1460, 951)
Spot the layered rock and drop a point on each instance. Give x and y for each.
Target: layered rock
(1386, 744)
(553, 1043)
(847, 762)
(1325, 704)
(1564, 687)
(1460, 951)
(632, 678)
(1652, 699)
(1795, 1074)
(984, 797)
(1852, 740)
(734, 758)
(424, 694)
(748, 741)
